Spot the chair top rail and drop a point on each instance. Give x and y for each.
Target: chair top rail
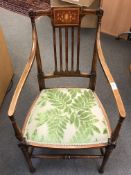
(83, 11)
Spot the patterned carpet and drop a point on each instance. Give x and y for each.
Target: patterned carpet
(23, 6)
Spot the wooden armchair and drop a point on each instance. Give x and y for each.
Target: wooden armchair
(67, 118)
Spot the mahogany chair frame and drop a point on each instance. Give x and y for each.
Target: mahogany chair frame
(98, 55)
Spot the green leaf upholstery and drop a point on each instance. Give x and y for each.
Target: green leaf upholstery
(66, 116)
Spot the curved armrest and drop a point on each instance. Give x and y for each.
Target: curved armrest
(24, 74)
(111, 81)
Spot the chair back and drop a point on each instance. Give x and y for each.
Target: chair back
(66, 24)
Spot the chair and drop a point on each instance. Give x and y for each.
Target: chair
(67, 118)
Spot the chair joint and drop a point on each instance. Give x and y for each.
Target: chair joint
(40, 75)
(100, 12)
(67, 157)
(111, 145)
(93, 75)
(22, 143)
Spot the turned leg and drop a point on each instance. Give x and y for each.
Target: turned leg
(106, 157)
(30, 150)
(27, 156)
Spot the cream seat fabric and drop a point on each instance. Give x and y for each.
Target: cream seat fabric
(67, 116)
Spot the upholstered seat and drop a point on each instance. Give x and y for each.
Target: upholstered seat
(67, 116)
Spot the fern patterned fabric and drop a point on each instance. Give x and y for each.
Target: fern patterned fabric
(66, 116)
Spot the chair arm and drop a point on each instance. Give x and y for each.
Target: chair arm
(111, 81)
(24, 74)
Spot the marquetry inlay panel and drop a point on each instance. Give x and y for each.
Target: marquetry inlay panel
(66, 16)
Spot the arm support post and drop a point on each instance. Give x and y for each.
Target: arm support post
(17, 130)
(116, 131)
